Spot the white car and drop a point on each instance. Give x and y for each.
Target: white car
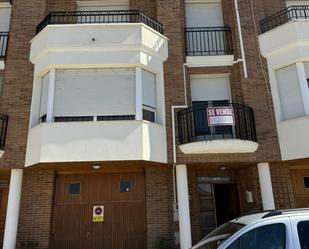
(286, 229)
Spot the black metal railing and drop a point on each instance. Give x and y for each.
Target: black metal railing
(284, 16)
(106, 16)
(193, 124)
(3, 43)
(207, 41)
(3, 126)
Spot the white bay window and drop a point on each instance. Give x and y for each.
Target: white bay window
(98, 95)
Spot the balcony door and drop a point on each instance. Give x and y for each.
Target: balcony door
(209, 91)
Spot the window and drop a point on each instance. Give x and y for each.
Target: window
(203, 14)
(102, 5)
(149, 96)
(125, 186)
(297, 3)
(94, 92)
(306, 183)
(5, 16)
(265, 237)
(303, 231)
(290, 95)
(74, 188)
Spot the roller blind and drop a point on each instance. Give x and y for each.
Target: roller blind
(289, 93)
(5, 16)
(44, 94)
(94, 92)
(149, 89)
(207, 88)
(103, 5)
(299, 2)
(204, 14)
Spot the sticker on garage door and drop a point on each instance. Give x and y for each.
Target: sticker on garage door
(98, 214)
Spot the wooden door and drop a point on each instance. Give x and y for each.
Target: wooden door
(123, 198)
(227, 202)
(4, 192)
(301, 187)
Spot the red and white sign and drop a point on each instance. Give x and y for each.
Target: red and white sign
(220, 116)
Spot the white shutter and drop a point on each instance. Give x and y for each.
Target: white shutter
(44, 94)
(5, 16)
(289, 93)
(210, 87)
(149, 89)
(102, 5)
(204, 14)
(94, 92)
(299, 2)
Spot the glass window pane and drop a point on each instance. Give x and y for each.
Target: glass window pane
(290, 93)
(265, 237)
(303, 232)
(74, 188)
(205, 189)
(125, 186)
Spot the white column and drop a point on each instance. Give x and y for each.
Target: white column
(12, 213)
(138, 94)
(302, 79)
(183, 207)
(266, 186)
(51, 96)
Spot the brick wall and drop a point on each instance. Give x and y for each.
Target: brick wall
(159, 205)
(17, 89)
(282, 185)
(35, 217)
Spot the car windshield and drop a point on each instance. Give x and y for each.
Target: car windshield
(215, 238)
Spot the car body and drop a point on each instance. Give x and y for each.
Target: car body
(278, 229)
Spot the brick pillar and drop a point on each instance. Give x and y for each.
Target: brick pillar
(171, 14)
(36, 208)
(149, 7)
(159, 205)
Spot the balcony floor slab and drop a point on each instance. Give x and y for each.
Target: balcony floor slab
(219, 147)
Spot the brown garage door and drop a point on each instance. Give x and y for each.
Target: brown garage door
(123, 198)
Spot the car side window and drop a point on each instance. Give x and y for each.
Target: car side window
(264, 237)
(303, 234)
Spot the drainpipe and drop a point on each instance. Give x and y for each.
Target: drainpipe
(241, 42)
(173, 108)
(181, 204)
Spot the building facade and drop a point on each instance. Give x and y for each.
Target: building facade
(130, 124)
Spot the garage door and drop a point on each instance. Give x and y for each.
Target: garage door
(123, 199)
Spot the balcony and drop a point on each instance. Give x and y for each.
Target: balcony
(209, 46)
(88, 141)
(3, 130)
(284, 38)
(88, 17)
(214, 128)
(3, 46)
(98, 38)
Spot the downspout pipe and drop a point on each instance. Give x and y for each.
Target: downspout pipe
(241, 42)
(173, 109)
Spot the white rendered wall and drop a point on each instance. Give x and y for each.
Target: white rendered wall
(283, 46)
(96, 141)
